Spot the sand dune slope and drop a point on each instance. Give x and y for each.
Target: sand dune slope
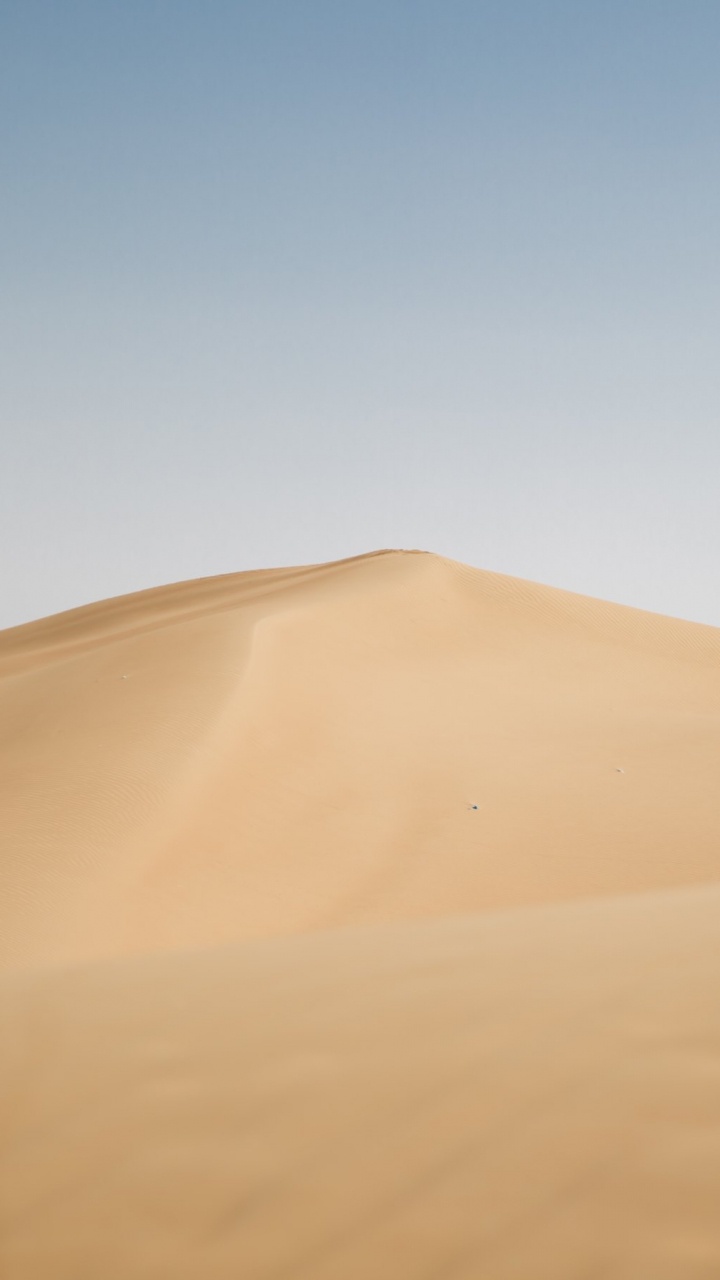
(360, 920)
(271, 753)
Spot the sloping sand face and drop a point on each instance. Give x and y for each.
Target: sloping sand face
(360, 920)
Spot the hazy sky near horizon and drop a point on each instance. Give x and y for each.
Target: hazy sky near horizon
(290, 280)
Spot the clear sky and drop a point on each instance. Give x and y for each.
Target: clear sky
(290, 280)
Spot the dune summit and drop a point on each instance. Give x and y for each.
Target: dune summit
(360, 919)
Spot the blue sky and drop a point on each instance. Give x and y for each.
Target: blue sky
(291, 280)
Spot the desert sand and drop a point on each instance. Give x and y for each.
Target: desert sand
(360, 921)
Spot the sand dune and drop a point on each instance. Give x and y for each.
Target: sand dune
(360, 920)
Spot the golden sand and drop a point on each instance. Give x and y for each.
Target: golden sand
(360, 921)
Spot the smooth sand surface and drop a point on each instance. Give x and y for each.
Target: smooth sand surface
(360, 920)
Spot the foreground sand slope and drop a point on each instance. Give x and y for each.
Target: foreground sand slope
(275, 752)
(280, 1003)
(532, 1095)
